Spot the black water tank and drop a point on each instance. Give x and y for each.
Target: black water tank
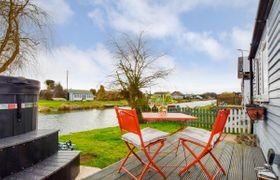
(18, 105)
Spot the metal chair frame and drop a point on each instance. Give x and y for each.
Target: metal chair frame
(217, 130)
(128, 122)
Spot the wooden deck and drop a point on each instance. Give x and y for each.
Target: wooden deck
(237, 160)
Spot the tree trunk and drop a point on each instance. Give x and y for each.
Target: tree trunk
(139, 115)
(138, 107)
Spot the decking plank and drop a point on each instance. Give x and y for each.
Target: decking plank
(248, 166)
(114, 167)
(179, 160)
(237, 160)
(159, 160)
(196, 170)
(225, 160)
(236, 166)
(111, 171)
(210, 165)
(258, 157)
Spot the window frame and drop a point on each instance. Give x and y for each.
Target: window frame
(261, 73)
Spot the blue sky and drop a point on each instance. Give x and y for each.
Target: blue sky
(199, 38)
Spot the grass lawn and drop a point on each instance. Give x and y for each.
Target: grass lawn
(102, 147)
(53, 106)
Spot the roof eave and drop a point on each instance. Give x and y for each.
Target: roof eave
(261, 17)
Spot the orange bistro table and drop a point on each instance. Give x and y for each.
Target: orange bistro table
(171, 117)
(155, 116)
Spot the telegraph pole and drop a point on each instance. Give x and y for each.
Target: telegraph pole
(67, 80)
(67, 92)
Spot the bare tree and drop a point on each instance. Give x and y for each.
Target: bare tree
(136, 69)
(23, 28)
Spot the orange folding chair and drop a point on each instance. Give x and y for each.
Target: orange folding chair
(205, 139)
(142, 139)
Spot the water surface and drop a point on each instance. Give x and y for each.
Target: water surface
(77, 121)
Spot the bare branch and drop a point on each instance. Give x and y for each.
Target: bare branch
(136, 68)
(23, 26)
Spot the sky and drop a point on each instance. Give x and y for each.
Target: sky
(199, 38)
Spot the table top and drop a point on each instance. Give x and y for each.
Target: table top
(150, 116)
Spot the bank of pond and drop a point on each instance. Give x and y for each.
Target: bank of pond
(48, 106)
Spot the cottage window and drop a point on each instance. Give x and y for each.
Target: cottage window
(261, 74)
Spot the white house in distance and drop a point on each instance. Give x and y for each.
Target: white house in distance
(80, 95)
(177, 95)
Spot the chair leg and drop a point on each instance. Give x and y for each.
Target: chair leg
(134, 153)
(205, 170)
(197, 160)
(185, 156)
(124, 161)
(217, 162)
(192, 163)
(151, 159)
(131, 150)
(151, 162)
(177, 147)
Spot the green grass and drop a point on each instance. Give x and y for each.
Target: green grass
(50, 104)
(54, 106)
(102, 147)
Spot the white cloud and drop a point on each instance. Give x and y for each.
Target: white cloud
(160, 19)
(157, 18)
(203, 42)
(241, 37)
(58, 10)
(97, 17)
(198, 80)
(166, 62)
(87, 68)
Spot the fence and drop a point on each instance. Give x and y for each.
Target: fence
(237, 122)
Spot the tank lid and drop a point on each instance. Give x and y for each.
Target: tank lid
(9, 84)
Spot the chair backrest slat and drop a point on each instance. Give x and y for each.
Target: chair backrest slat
(128, 120)
(219, 125)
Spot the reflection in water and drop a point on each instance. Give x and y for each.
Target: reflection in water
(78, 120)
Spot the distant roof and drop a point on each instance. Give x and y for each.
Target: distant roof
(79, 91)
(177, 93)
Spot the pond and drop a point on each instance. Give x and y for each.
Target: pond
(77, 121)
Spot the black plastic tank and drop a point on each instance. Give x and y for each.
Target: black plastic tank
(18, 105)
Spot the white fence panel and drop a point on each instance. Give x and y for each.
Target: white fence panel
(238, 122)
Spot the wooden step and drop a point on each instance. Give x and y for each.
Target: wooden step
(20, 152)
(61, 165)
(24, 138)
